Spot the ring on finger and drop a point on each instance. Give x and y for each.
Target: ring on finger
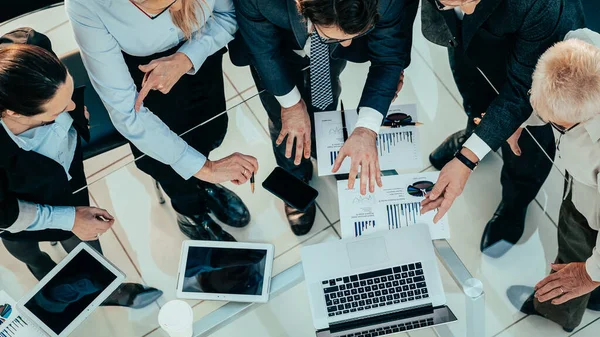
(561, 290)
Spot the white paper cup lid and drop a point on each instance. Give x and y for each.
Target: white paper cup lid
(176, 316)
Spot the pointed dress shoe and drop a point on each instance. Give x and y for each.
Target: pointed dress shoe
(132, 295)
(225, 205)
(504, 230)
(202, 227)
(444, 153)
(301, 222)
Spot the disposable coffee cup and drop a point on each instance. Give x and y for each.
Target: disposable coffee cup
(176, 318)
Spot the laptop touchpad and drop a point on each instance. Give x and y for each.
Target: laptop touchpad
(367, 252)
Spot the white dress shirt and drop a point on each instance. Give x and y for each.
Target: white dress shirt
(367, 117)
(104, 28)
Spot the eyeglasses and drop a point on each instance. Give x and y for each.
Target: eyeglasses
(443, 7)
(397, 120)
(420, 188)
(328, 40)
(155, 16)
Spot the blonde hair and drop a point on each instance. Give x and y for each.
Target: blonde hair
(566, 82)
(186, 18)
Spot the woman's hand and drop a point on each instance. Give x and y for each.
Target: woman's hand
(237, 168)
(162, 74)
(568, 282)
(91, 222)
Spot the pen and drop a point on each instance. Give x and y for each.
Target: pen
(401, 125)
(252, 182)
(344, 129)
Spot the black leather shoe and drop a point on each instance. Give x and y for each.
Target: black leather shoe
(504, 230)
(202, 227)
(444, 153)
(133, 295)
(522, 298)
(225, 205)
(301, 222)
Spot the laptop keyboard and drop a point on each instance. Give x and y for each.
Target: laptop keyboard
(375, 289)
(392, 328)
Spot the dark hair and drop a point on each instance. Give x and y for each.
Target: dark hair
(352, 16)
(29, 78)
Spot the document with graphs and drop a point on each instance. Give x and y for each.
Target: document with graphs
(396, 205)
(398, 148)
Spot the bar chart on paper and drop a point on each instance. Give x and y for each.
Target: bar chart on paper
(364, 227)
(402, 215)
(403, 141)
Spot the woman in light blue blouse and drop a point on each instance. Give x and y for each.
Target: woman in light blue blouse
(157, 66)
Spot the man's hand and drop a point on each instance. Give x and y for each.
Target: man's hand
(162, 74)
(295, 124)
(513, 142)
(449, 186)
(400, 85)
(91, 222)
(237, 168)
(362, 150)
(568, 282)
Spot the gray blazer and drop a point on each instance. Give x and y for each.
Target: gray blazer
(504, 38)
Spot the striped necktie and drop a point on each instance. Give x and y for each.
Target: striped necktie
(320, 78)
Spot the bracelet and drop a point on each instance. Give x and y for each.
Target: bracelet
(463, 159)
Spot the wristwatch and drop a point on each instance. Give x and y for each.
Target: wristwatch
(463, 159)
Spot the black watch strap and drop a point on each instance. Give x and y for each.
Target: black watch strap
(468, 163)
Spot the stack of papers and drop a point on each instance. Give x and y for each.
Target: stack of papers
(387, 208)
(398, 148)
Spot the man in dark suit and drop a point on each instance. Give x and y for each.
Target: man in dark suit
(493, 47)
(280, 38)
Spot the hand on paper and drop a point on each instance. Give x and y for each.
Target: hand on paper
(362, 150)
(295, 124)
(449, 186)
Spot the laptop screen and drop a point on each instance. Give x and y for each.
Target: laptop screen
(225, 270)
(70, 291)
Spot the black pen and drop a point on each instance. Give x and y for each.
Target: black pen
(344, 129)
(252, 182)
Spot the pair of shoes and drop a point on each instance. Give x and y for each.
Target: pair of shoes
(444, 153)
(522, 298)
(202, 227)
(132, 295)
(301, 222)
(504, 230)
(225, 205)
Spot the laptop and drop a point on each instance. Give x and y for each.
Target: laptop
(375, 285)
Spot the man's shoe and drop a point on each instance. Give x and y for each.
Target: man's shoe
(301, 222)
(133, 295)
(503, 231)
(444, 153)
(202, 227)
(225, 205)
(522, 298)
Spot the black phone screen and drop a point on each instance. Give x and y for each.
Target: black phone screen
(290, 189)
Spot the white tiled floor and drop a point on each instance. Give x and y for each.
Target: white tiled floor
(145, 240)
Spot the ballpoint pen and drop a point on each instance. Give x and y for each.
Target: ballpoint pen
(252, 182)
(344, 128)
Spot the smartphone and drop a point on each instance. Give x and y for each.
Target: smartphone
(290, 189)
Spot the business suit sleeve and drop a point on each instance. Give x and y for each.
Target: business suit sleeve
(389, 52)
(264, 43)
(540, 29)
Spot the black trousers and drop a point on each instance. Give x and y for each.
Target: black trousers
(522, 177)
(193, 100)
(576, 241)
(302, 79)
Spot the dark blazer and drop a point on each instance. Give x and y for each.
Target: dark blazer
(29, 176)
(271, 29)
(504, 38)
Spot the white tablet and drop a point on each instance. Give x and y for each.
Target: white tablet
(65, 297)
(225, 271)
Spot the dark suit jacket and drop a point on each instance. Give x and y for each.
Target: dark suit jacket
(272, 29)
(504, 38)
(29, 176)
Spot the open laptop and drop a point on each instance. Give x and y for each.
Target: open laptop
(375, 285)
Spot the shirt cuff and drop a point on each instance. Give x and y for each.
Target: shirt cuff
(477, 146)
(290, 99)
(369, 118)
(63, 217)
(197, 58)
(190, 163)
(592, 266)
